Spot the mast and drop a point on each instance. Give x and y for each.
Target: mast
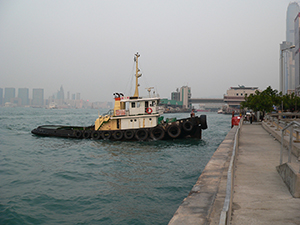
(137, 75)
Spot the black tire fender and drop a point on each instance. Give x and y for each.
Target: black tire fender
(174, 131)
(86, 134)
(203, 122)
(118, 134)
(187, 125)
(96, 135)
(141, 134)
(106, 134)
(157, 133)
(78, 133)
(129, 134)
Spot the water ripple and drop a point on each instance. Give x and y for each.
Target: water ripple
(66, 181)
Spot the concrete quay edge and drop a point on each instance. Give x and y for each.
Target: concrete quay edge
(205, 201)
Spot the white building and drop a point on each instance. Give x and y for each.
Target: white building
(185, 95)
(236, 95)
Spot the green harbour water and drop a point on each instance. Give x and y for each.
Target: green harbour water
(68, 181)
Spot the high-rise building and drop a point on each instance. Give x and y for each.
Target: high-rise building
(175, 95)
(297, 55)
(61, 93)
(185, 95)
(9, 94)
(23, 94)
(291, 13)
(1, 96)
(37, 97)
(287, 68)
(287, 81)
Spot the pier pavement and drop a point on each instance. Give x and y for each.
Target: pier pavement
(260, 195)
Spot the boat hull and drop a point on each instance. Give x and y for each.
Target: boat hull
(183, 128)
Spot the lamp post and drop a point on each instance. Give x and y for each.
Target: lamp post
(282, 71)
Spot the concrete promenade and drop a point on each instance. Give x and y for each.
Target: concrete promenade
(260, 195)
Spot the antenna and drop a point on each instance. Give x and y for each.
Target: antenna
(149, 90)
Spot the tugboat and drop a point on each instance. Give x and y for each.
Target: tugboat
(133, 118)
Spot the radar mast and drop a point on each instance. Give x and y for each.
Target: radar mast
(137, 75)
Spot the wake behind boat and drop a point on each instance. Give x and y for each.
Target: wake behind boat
(133, 118)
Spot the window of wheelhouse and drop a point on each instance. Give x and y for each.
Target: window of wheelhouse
(132, 104)
(152, 103)
(146, 104)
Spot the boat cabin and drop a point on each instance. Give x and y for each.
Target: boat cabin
(132, 112)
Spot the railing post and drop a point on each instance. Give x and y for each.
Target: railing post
(268, 119)
(290, 144)
(272, 122)
(293, 126)
(297, 136)
(278, 121)
(281, 149)
(285, 132)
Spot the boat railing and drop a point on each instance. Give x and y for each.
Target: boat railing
(109, 113)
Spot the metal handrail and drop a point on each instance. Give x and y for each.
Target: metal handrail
(225, 216)
(291, 139)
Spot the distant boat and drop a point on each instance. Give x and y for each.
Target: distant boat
(133, 118)
(53, 105)
(203, 110)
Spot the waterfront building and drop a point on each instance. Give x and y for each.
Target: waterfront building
(23, 94)
(236, 95)
(175, 95)
(9, 94)
(14, 102)
(77, 96)
(185, 95)
(37, 97)
(1, 96)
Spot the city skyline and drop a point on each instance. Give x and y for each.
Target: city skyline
(29, 93)
(207, 45)
(10, 98)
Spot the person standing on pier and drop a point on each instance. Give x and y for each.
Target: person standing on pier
(192, 113)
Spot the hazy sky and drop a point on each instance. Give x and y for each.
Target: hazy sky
(88, 46)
